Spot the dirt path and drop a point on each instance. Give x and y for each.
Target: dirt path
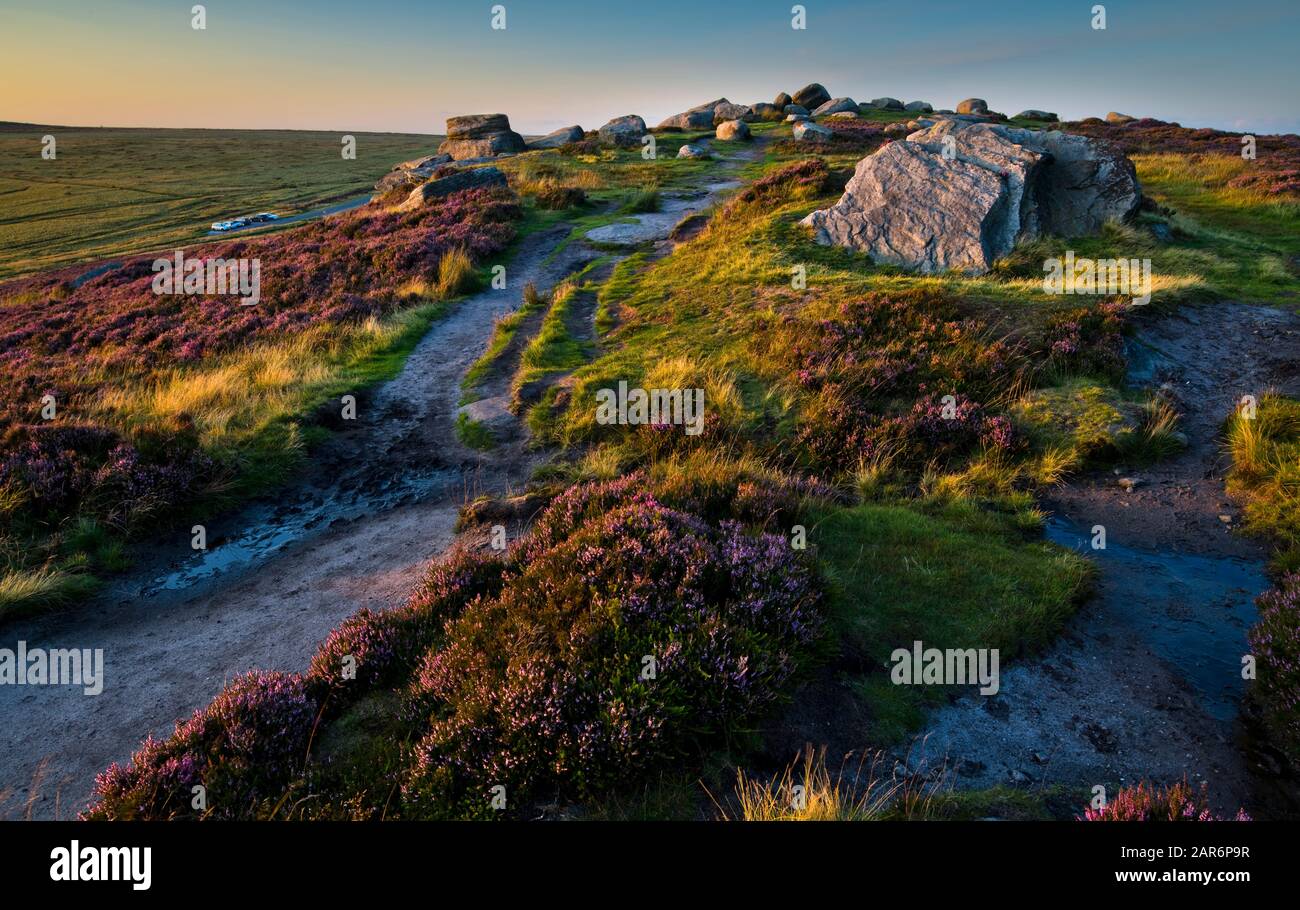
(381, 499)
(1145, 682)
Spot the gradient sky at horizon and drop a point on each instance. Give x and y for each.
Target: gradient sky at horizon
(405, 65)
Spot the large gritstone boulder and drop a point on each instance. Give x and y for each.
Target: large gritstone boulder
(480, 136)
(959, 195)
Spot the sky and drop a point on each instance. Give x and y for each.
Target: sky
(407, 65)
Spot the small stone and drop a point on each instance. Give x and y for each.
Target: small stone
(1128, 484)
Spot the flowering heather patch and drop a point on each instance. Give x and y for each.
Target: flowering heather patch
(387, 645)
(243, 747)
(804, 179)
(876, 368)
(1275, 170)
(74, 341)
(1088, 340)
(1150, 803)
(61, 467)
(541, 689)
(1275, 642)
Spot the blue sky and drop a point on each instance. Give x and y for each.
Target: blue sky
(404, 65)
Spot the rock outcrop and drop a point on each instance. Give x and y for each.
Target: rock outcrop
(411, 173)
(912, 204)
(919, 107)
(765, 111)
(560, 137)
(1034, 114)
(1116, 117)
(726, 110)
(807, 131)
(480, 136)
(812, 96)
(835, 106)
(782, 99)
(887, 104)
(623, 132)
(475, 178)
(973, 106)
(733, 129)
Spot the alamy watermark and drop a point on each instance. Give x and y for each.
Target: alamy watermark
(25, 666)
(1109, 277)
(209, 277)
(922, 666)
(659, 407)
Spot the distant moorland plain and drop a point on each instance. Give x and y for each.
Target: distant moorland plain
(110, 192)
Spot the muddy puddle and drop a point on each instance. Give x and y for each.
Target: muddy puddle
(1190, 610)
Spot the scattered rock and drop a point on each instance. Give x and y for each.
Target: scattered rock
(699, 118)
(733, 129)
(920, 107)
(727, 111)
(1018, 778)
(807, 131)
(844, 115)
(1039, 758)
(1226, 519)
(411, 173)
(895, 129)
(835, 106)
(1102, 739)
(560, 137)
(623, 132)
(887, 104)
(1033, 114)
(691, 150)
(973, 106)
(782, 99)
(462, 180)
(1115, 117)
(908, 204)
(765, 111)
(796, 118)
(477, 126)
(480, 136)
(1129, 484)
(812, 95)
(796, 109)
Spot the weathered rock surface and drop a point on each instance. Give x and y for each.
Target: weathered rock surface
(560, 137)
(835, 106)
(909, 205)
(1034, 114)
(411, 173)
(765, 111)
(1116, 117)
(476, 178)
(477, 126)
(733, 129)
(973, 106)
(782, 99)
(887, 104)
(920, 107)
(807, 131)
(812, 95)
(480, 136)
(692, 150)
(844, 115)
(729, 111)
(700, 118)
(623, 132)
(796, 109)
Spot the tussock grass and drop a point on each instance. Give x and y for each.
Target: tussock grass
(25, 590)
(806, 791)
(1265, 474)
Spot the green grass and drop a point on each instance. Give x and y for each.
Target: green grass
(474, 434)
(1265, 474)
(962, 577)
(112, 192)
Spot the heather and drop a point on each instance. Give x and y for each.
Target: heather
(1275, 644)
(164, 401)
(619, 637)
(239, 749)
(1146, 802)
(1275, 170)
